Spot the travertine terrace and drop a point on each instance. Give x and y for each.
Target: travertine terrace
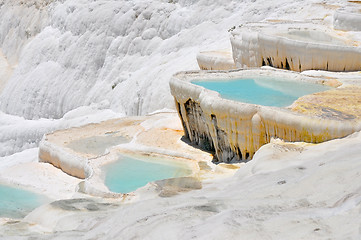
(294, 46)
(236, 130)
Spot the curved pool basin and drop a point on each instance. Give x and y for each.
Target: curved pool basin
(128, 174)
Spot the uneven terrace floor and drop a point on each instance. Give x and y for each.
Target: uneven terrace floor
(157, 136)
(339, 104)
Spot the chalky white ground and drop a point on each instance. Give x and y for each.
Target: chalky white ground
(69, 63)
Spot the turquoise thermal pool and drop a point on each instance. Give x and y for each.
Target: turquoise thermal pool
(17, 203)
(128, 174)
(262, 91)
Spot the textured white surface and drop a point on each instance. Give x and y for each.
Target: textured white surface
(69, 54)
(72, 53)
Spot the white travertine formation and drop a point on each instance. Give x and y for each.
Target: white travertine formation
(235, 130)
(348, 18)
(294, 48)
(215, 60)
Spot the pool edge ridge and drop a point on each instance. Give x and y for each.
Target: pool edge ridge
(72, 164)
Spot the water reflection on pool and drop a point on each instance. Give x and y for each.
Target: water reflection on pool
(128, 173)
(261, 90)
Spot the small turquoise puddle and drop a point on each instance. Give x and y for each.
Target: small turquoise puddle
(128, 174)
(17, 203)
(262, 91)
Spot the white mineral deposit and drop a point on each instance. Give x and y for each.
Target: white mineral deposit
(87, 83)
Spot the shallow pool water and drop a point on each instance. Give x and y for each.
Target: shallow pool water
(97, 144)
(128, 174)
(16, 203)
(262, 91)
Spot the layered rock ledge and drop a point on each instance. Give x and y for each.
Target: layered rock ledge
(216, 60)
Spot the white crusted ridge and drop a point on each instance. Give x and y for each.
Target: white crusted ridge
(215, 60)
(72, 164)
(294, 46)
